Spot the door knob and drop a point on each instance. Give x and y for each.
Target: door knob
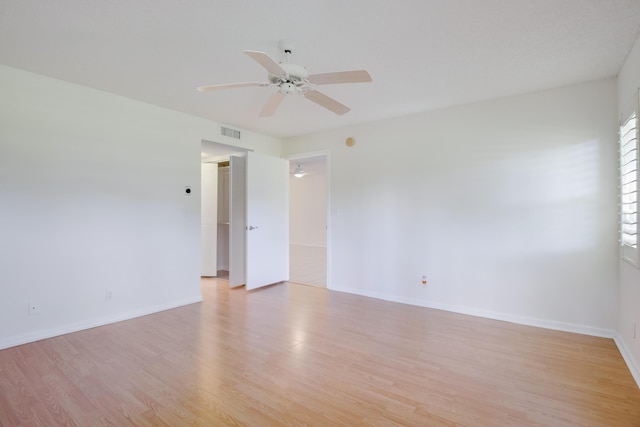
(251, 227)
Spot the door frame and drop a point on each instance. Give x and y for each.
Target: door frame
(212, 151)
(327, 155)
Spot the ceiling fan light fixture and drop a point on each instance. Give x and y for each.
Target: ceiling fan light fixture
(298, 173)
(288, 88)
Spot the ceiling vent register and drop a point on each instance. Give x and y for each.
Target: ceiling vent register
(232, 133)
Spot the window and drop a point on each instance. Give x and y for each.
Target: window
(629, 189)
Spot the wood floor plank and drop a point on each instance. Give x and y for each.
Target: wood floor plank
(294, 355)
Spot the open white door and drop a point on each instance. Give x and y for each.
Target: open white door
(267, 226)
(259, 213)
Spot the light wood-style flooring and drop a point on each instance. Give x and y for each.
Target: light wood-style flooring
(296, 355)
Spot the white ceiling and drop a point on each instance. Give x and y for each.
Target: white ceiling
(422, 54)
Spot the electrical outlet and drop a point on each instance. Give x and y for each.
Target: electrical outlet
(108, 295)
(424, 280)
(33, 309)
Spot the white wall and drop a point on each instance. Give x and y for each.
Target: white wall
(308, 208)
(92, 199)
(629, 312)
(507, 206)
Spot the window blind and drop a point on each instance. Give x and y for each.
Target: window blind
(629, 188)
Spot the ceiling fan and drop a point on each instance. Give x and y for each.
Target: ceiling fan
(294, 79)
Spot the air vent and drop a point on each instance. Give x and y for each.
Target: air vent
(230, 132)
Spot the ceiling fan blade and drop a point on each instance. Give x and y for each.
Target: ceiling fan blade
(267, 62)
(229, 86)
(356, 76)
(326, 102)
(272, 103)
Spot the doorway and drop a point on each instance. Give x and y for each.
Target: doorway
(244, 216)
(308, 219)
(214, 215)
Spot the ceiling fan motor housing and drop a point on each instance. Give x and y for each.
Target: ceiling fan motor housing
(295, 81)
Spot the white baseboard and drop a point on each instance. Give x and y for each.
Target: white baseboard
(92, 323)
(628, 358)
(522, 320)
